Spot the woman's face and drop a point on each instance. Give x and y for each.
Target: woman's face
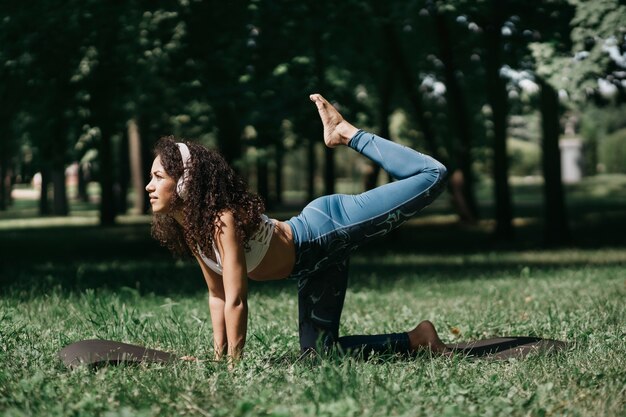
(161, 188)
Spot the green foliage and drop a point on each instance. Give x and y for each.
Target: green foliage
(595, 26)
(612, 152)
(596, 123)
(600, 121)
(209, 70)
(525, 157)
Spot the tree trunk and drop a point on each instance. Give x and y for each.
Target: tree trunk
(406, 77)
(278, 179)
(457, 111)
(59, 201)
(262, 173)
(123, 175)
(329, 171)
(107, 196)
(497, 97)
(3, 188)
(106, 88)
(590, 152)
(385, 91)
(311, 168)
(83, 175)
(9, 181)
(556, 229)
(44, 202)
(228, 131)
(147, 144)
(461, 190)
(320, 67)
(54, 156)
(136, 167)
(267, 130)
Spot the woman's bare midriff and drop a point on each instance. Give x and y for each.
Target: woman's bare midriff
(280, 257)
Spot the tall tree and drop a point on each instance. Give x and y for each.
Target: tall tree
(53, 42)
(164, 94)
(12, 74)
(497, 97)
(449, 142)
(462, 180)
(556, 230)
(577, 64)
(136, 166)
(216, 41)
(105, 85)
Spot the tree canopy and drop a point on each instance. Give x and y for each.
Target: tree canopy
(235, 75)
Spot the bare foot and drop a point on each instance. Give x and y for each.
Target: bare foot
(336, 130)
(424, 337)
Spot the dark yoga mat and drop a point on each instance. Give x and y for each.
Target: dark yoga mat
(507, 347)
(96, 353)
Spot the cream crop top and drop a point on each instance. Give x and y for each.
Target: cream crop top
(257, 247)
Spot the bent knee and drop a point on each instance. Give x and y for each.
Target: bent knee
(442, 170)
(437, 169)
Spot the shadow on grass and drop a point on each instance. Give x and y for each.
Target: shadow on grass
(34, 261)
(74, 258)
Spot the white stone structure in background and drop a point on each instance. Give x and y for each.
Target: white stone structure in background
(571, 160)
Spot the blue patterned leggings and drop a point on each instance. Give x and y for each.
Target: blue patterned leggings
(331, 227)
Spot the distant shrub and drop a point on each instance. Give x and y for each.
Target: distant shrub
(525, 158)
(612, 152)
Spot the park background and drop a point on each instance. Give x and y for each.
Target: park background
(523, 101)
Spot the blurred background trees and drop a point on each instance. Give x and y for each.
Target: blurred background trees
(488, 87)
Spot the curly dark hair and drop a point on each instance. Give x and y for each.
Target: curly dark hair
(212, 187)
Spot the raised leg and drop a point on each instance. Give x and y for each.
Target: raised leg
(330, 227)
(337, 131)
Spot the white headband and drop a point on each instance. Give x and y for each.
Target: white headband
(186, 157)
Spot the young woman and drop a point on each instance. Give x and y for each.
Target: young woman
(201, 207)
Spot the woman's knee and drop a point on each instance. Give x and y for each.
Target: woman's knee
(437, 168)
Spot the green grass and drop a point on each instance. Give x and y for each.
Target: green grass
(70, 281)
(575, 295)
